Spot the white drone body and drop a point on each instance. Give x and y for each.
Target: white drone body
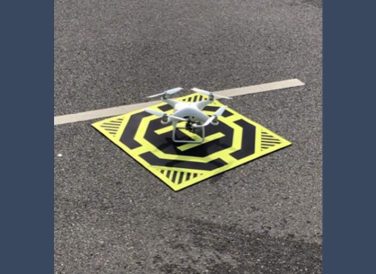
(192, 113)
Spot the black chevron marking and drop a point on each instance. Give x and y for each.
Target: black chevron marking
(155, 161)
(181, 177)
(174, 173)
(268, 141)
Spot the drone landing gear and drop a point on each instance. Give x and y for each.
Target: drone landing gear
(197, 131)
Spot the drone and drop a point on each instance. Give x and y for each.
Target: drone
(189, 112)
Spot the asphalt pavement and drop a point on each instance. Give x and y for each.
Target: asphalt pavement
(111, 215)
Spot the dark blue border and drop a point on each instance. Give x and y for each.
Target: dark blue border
(349, 136)
(26, 187)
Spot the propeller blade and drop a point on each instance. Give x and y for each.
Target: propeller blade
(220, 111)
(168, 92)
(201, 91)
(154, 112)
(207, 122)
(173, 90)
(177, 118)
(206, 92)
(156, 95)
(161, 114)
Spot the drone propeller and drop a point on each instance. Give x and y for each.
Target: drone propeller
(219, 111)
(167, 92)
(210, 120)
(155, 112)
(209, 93)
(162, 114)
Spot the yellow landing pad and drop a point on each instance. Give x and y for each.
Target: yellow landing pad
(233, 142)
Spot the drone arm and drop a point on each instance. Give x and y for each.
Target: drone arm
(207, 122)
(202, 104)
(213, 118)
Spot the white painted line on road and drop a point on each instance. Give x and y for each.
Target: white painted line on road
(99, 113)
(261, 88)
(107, 112)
